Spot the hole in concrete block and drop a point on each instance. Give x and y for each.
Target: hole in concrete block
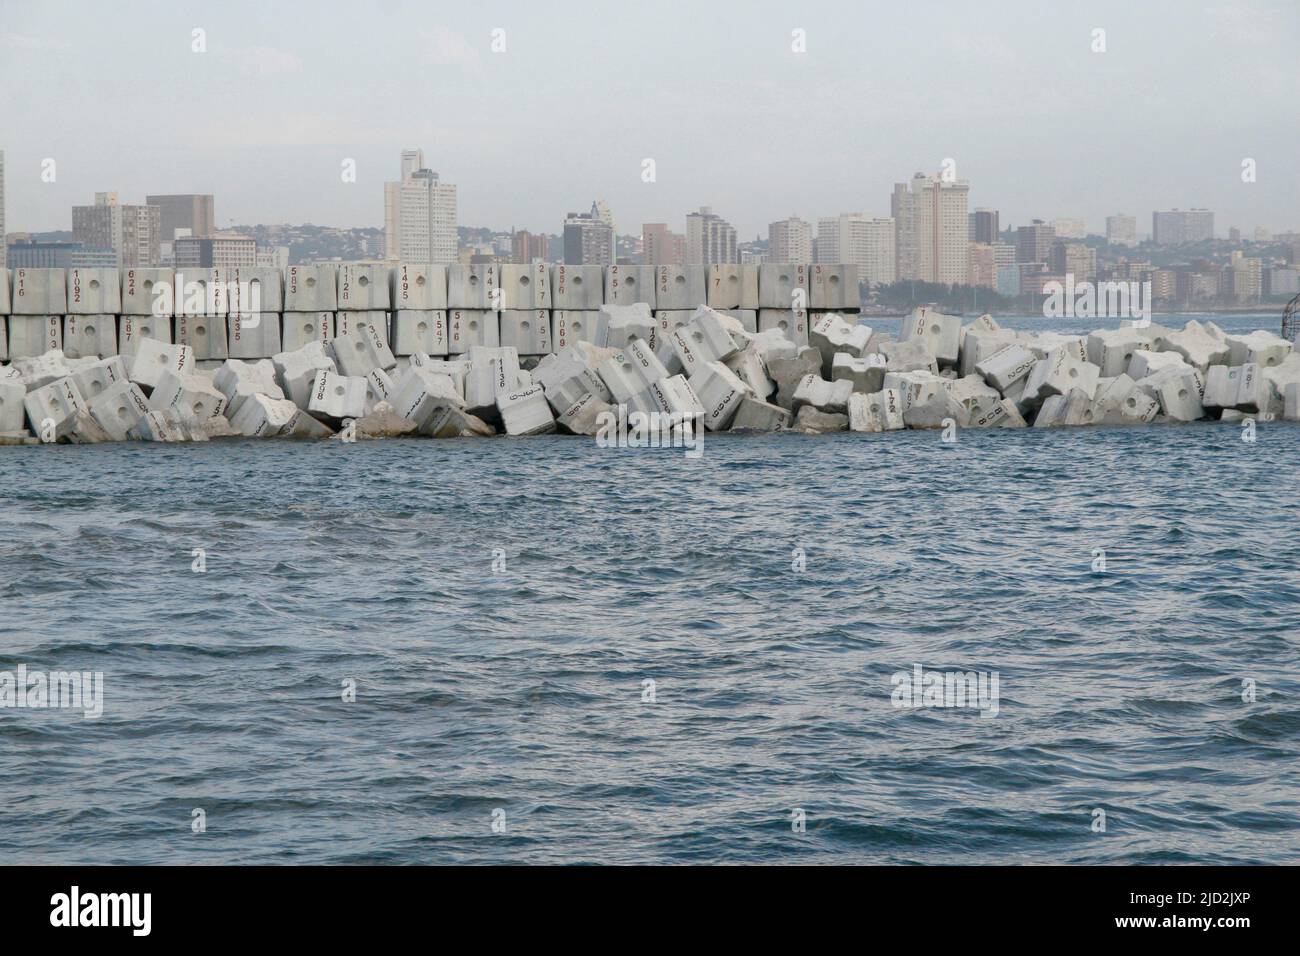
(361, 346)
(577, 280)
(834, 280)
(681, 280)
(363, 282)
(94, 285)
(198, 408)
(697, 336)
(340, 390)
(784, 278)
(523, 280)
(473, 326)
(148, 285)
(1074, 373)
(473, 279)
(309, 328)
(200, 330)
(422, 327)
(577, 326)
(523, 326)
(121, 411)
(1182, 393)
(162, 360)
(311, 282)
(419, 280)
(630, 280)
(90, 330)
(1131, 403)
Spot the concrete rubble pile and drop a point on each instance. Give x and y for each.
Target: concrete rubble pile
(376, 350)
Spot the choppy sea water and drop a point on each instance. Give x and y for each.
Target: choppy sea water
(520, 688)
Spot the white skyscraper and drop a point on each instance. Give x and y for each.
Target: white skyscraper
(420, 216)
(932, 229)
(858, 240)
(789, 240)
(710, 239)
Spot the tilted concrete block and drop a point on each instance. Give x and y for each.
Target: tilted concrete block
(337, 396)
(205, 334)
(156, 425)
(134, 329)
(1112, 350)
(525, 411)
(526, 288)
(628, 323)
(823, 395)
(373, 323)
(420, 331)
(626, 285)
(380, 389)
(118, 407)
(568, 327)
(578, 288)
(190, 394)
(813, 421)
(750, 368)
(631, 371)
(720, 392)
(674, 395)
(1136, 408)
(1259, 347)
(680, 287)
(941, 333)
(94, 291)
(33, 335)
(264, 417)
(979, 344)
(566, 377)
(1007, 366)
(710, 336)
(51, 406)
(585, 416)
(1146, 362)
(1179, 392)
(253, 336)
(41, 292)
(934, 408)
(360, 343)
(528, 333)
(753, 415)
(299, 328)
(913, 356)
(363, 288)
(418, 287)
(834, 287)
(973, 394)
(492, 372)
(456, 369)
(148, 291)
(100, 377)
(448, 422)
(295, 372)
(12, 413)
(1001, 414)
(470, 328)
(914, 387)
(37, 371)
(789, 372)
(748, 318)
(421, 393)
(773, 345)
(237, 380)
(865, 374)
(1057, 374)
(474, 286)
(383, 422)
(311, 288)
(733, 286)
(85, 336)
(1198, 345)
(792, 323)
(783, 286)
(830, 334)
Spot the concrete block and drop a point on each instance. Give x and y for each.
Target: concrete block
(36, 371)
(789, 372)
(94, 292)
(783, 286)
(154, 425)
(295, 372)
(1292, 408)
(133, 329)
(628, 323)
(733, 286)
(631, 371)
(831, 334)
(254, 291)
(720, 393)
(205, 334)
(674, 395)
(51, 406)
(1259, 347)
(748, 318)
(823, 395)
(380, 389)
(941, 333)
(492, 372)
(383, 422)
(337, 396)
(753, 415)
(202, 292)
(750, 368)
(118, 408)
(1042, 344)
(299, 328)
(566, 377)
(86, 336)
(1001, 414)
(33, 335)
(100, 377)
(423, 330)
(1179, 392)
(834, 287)
(148, 291)
(568, 327)
(456, 369)
(973, 394)
(1057, 374)
(627, 285)
(448, 422)
(812, 421)
(363, 288)
(360, 343)
(1112, 350)
(528, 333)
(373, 323)
(1135, 408)
(791, 323)
(1146, 362)
(710, 336)
(253, 336)
(264, 417)
(190, 394)
(153, 359)
(1006, 366)
(421, 393)
(12, 413)
(1154, 335)
(915, 387)
(680, 287)
(1198, 345)
(525, 411)
(578, 288)
(418, 287)
(978, 344)
(475, 287)
(237, 380)
(5, 306)
(913, 356)
(584, 416)
(311, 288)
(773, 345)
(470, 328)
(526, 288)
(38, 292)
(865, 374)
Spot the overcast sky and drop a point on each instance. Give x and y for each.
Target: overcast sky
(711, 90)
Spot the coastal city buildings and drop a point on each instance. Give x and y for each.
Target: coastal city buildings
(790, 240)
(984, 226)
(131, 232)
(1181, 227)
(710, 239)
(420, 214)
(589, 237)
(932, 229)
(219, 251)
(858, 240)
(1121, 230)
(1034, 241)
(660, 246)
(191, 215)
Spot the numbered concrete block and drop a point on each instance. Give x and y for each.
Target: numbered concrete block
(865, 374)
(103, 375)
(190, 394)
(86, 336)
(299, 328)
(457, 370)
(529, 333)
(627, 323)
(370, 323)
(51, 406)
(422, 393)
(710, 336)
(153, 359)
(201, 293)
(566, 376)
(627, 285)
(750, 368)
(834, 287)
(753, 415)
(337, 396)
(311, 288)
(133, 329)
(254, 291)
(680, 287)
(578, 288)
(1200, 345)
(471, 328)
(420, 330)
(418, 287)
(1006, 366)
(94, 292)
(148, 292)
(118, 408)
(631, 371)
(880, 411)
(33, 335)
(569, 327)
(825, 396)
(254, 336)
(264, 417)
(831, 334)
(792, 323)
(585, 416)
(237, 380)
(733, 286)
(450, 422)
(1146, 362)
(379, 390)
(720, 392)
(977, 344)
(1057, 374)
(1259, 348)
(526, 287)
(39, 292)
(525, 411)
(492, 372)
(783, 286)
(940, 333)
(475, 287)
(360, 343)
(295, 372)
(362, 288)
(205, 334)
(675, 396)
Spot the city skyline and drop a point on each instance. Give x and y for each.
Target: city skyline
(1044, 127)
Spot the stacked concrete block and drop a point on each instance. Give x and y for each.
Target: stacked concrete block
(418, 287)
(100, 376)
(237, 380)
(420, 330)
(570, 326)
(87, 336)
(525, 411)
(360, 343)
(299, 328)
(733, 286)
(940, 333)
(470, 328)
(254, 336)
(379, 389)
(628, 285)
(1259, 348)
(834, 287)
(362, 288)
(790, 322)
(526, 288)
(148, 291)
(748, 318)
(205, 334)
(94, 292)
(34, 335)
(680, 287)
(311, 288)
(782, 287)
(476, 287)
(492, 372)
(675, 396)
(5, 307)
(631, 371)
(908, 356)
(578, 288)
(528, 332)
(38, 292)
(628, 323)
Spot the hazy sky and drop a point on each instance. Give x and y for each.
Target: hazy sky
(711, 90)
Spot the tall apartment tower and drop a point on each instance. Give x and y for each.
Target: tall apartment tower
(3, 245)
(1121, 230)
(857, 240)
(192, 212)
(710, 239)
(932, 229)
(1034, 242)
(1179, 226)
(789, 240)
(588, 239)
(660, 246)
(420, 215)
(984, 226)
(133, 233)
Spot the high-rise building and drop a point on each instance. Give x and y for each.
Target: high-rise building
(932, 229)
(1070, 228)
(420, 215)
(192, 212)
(660, 246)
(1177, 227)
(1034, 242)
(1121, 230)
(1073, 258)
(858, 240)
(588, 240)
(133, 233)
(3, 242)
(789, 240)
(1245, 278)
(710, 239)
(525, 247)
(983, 266)
(223, 250)
(984, 226)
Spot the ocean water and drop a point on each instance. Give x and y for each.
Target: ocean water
(499, 605)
